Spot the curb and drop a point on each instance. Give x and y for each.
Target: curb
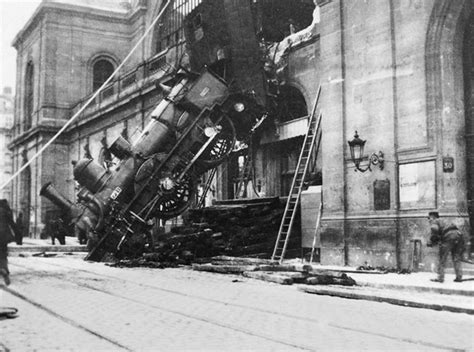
(380, 298)
(446, 291)
(324, 269)
(38, 249)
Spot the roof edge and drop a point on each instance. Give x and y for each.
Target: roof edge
(46, 5)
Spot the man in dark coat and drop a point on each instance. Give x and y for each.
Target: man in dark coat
(19, 229)
(7, 235)
(450, 240)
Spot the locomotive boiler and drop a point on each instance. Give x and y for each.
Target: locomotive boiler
(192, 129)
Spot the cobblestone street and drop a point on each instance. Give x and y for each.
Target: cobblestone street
(67, 304)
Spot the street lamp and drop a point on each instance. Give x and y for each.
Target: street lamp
(357, 154)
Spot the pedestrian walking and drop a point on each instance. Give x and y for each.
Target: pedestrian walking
(58, 231)
(450, 240)
(19, 229)
(7, 235)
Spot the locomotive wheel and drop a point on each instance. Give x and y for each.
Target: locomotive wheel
(221, 146)
(174, 202)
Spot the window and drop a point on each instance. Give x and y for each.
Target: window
(170, 32)
(291, 104)
(101, 71)
(29, 95)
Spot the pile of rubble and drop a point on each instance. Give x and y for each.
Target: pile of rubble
(255, 268)
(247, 228)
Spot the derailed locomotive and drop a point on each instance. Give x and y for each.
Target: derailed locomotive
(191, 131)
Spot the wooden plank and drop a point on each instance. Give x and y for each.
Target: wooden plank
(241, 260)
(278, 268)
(330, 280)
(270, 277)
(224, 269)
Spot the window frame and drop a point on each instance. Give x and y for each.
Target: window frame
(29, 95)
(170, 32)
(97, 60)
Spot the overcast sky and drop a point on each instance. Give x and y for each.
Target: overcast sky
(13, 16)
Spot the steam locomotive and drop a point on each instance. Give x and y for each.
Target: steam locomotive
(192, 130)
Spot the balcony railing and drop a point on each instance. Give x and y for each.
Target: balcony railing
(140, 76)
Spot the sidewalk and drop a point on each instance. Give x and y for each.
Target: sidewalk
(35, 245)
(413, 290)
(417, 281)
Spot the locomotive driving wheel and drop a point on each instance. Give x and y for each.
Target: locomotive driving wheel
(175, 197)
(221, 145)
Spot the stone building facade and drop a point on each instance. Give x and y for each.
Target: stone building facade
(397, 71)
(6, 123)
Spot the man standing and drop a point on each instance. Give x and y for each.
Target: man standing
(7, 235)
(19, 229)
(450, 240)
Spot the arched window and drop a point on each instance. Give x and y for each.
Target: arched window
(101, 71)
(28, 97)
(291, 104)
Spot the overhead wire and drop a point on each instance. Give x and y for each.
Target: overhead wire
(91, 99)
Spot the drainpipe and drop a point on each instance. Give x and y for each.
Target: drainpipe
(344, 115)
(398, 239)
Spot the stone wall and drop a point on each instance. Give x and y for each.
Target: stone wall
(61, 41)
(374, 76)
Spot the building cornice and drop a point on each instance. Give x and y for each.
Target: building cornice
(45, 8)
(30, 134)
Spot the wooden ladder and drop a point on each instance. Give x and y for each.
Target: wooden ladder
(244, 177)
(289, 214)
(202, 199)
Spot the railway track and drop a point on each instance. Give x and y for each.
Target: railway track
(162, 307)
(95, 279)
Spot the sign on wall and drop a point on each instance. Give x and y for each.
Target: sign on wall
(381, 194)
(417, 185)
(448, 164)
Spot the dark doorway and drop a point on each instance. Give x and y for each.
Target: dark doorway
(25, 199)
(291, 104)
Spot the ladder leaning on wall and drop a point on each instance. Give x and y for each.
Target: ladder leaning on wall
(202, 198)
(284, 233)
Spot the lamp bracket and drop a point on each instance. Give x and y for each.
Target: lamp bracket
(374, 159)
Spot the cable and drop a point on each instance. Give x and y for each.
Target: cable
(91, 99)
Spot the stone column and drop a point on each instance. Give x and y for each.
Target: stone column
(333, 109)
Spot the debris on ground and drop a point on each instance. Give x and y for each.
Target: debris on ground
(383, 269)
(234, 237)
(148, 260)
(8, 313)
(229, 228)
(271, 271)
(45, 255)
(225, 269)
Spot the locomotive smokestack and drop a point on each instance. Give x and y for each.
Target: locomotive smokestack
(54, 196)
